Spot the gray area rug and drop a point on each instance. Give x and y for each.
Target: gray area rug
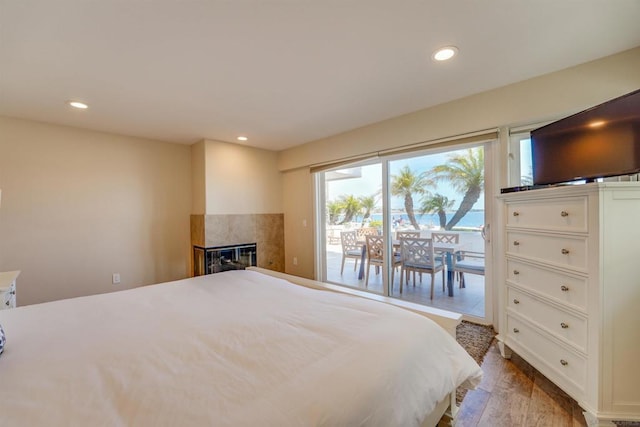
(476, 339)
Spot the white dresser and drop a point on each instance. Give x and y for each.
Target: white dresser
(8, 289)
(570, 292)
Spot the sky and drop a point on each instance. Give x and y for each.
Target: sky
(371, 181)
(526, 168)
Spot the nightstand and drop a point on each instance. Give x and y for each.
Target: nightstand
(8, 289)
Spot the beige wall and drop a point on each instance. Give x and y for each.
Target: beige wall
(298, 222)
(198, 179)
(241, 179)
(79, 205)
(542, 98)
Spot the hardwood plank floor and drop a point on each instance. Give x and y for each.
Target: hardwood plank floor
(512, 394)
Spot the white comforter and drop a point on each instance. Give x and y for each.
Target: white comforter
(231, 349)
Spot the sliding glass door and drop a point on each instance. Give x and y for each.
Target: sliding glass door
(432, 194)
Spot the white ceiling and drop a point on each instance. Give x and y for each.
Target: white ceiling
(282, 72)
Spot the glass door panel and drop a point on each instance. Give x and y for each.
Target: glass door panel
(440, 197)
(353, 206)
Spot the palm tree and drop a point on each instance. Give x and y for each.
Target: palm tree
(406, 184)
(465, 173)
(350, 207)
(334, 209)
(438, 204)
(367, 203)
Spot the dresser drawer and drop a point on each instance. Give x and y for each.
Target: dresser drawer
(565, 288)
(566, 214)
(564, 325)
(568, 366)
(563, 251)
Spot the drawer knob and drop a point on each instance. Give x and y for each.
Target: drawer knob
(563, 362)
(564, 213)
(12, 293)
(564, 325)
(565, 251)
(7, 303)
(564, 288)
(516, 272)
(516, 330)
(516, 243)
(516, 301)
(516, 213)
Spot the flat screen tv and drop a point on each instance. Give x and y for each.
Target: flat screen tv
(600, 142)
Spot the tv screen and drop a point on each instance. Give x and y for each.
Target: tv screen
(599, 142)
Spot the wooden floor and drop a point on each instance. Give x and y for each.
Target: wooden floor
(514, 394)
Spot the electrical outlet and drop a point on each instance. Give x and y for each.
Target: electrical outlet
(116, 278)
(295, 260)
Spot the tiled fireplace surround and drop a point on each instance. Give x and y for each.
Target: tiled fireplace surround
(266, 230)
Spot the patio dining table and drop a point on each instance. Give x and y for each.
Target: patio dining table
(448, 249)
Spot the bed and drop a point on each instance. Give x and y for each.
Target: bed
(239, 348)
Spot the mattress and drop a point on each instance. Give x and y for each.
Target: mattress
(238, 348)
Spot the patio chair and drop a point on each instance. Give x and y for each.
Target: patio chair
(350, 248)
(375, 256)
(445, 237)
(366, 231)
(333, 235)
(404, 234)
(470, 262)
(418, 256)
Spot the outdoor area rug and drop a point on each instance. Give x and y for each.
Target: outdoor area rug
(476, 339)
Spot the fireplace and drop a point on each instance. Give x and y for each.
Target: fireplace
(223, 258)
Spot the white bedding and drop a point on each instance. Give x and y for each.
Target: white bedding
(238, 348)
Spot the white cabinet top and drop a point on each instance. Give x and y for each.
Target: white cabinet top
(7, 278)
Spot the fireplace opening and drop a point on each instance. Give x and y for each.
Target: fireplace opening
(215, 259)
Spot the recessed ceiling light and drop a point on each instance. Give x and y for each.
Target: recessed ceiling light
(597, 124)
(78, 104)
(242, 138)
(445, 53)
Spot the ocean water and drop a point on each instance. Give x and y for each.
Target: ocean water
(471, 219)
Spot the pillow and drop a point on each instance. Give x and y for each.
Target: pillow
(3, 339)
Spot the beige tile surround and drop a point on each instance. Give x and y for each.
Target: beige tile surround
(266, 230)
